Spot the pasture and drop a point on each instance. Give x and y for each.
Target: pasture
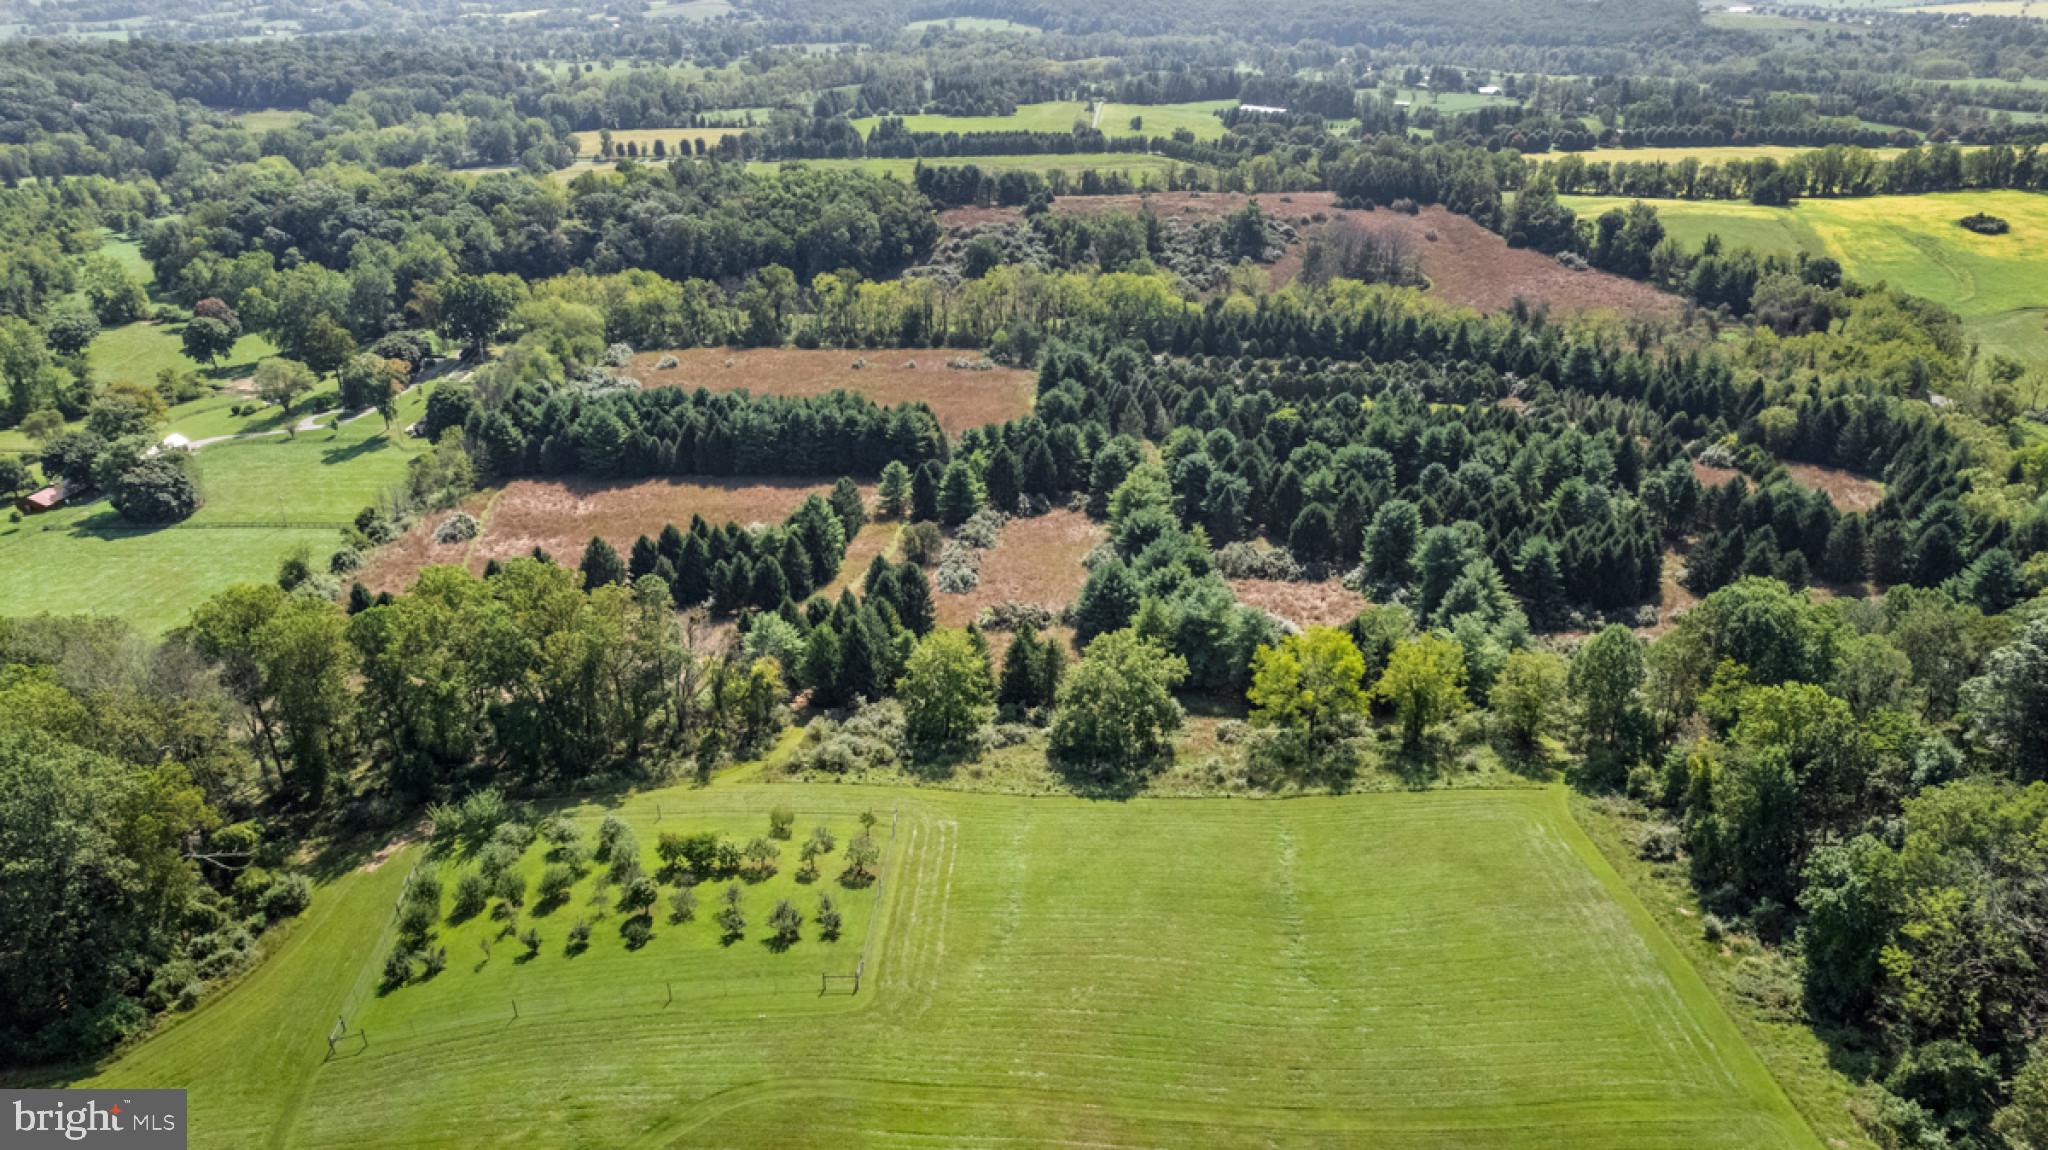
(672, 139)
(960, 398)
(266, 497)
(1137, 166)
(1061, 115)
(1704, 154)
(1911, 242)
(970, 24)
(1416, 970)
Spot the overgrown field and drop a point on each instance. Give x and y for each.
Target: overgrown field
(1911, 242)
(961, 397)
(1414, 970)
(87, 558)
(561, 517)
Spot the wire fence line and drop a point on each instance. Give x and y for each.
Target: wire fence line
(659, 995)
(354, 998)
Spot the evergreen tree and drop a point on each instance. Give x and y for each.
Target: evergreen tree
(796, 567)
(1539, 579)
(847, 504)
(642, 559)
(1003, 480)
(960, 494)
(924, 493)
(601, 565)
(818, 669)
(1109, 601)
(670, 545)
(770, 586)
(693, 572)
(913, 599)
(1846, 556)
(893, 499)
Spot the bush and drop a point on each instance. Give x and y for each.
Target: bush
(875, 738)
(1985, 224)
(636, 931)
(618, 355)
(828, 918)
(609, 832)
(666, 362)
(1256, 560)
(682, 905)
(579, 936)
(433, 960)
(555, 882)
(1016, 615)
(472, 891)
(397, 967)
(460, 527)
(921, 543)
(780, 822)
(344, 561)
(288, 895)
(982, 529)
(959, 569)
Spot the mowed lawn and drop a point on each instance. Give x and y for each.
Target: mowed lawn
(86, 558)
(1412, 970)
(1998, 284)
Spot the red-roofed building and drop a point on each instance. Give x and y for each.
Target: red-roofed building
(48, 499)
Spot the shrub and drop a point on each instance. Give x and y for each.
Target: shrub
(472, 891)
(982, 529)
(921, 543)
(828, 918)
(1712, 928)
(618, 354)
(579, 936)
(555, 882)
(460, 527)
(433, 960)
(731, 919)
(288, 895)
(666, 362)
(780, 822)
(761, 857)
(608, 834)
(1985, 224)
(875, 738)
(531, 941)
(682, 905)
(959, 569)
(344, 561)
(1016, 615)
(787, 922)
(398, 967)
(638, 895)
(636, 931)
(1257, 560)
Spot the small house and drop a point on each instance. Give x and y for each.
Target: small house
(48, 499)
(1489, 89)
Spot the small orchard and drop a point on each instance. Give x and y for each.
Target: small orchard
(588, 909)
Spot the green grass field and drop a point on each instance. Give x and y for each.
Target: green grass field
(1452, 103)
(86, 558)
(1911, 242)
(1060, 116)
(588, 143)
(1132, 164)
(1703, 155)
(971, 24)
(1404, 970)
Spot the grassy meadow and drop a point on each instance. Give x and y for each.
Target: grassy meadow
(87, 558)
(1415, 970)
(1198, 117)
(1911, 242)
(1135, 165)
